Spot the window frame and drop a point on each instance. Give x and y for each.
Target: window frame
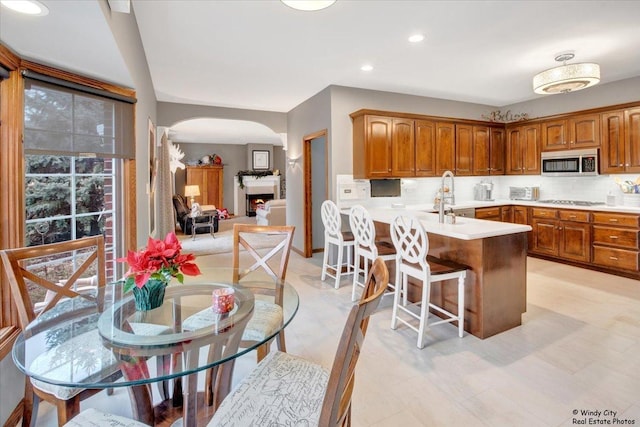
(12, 177)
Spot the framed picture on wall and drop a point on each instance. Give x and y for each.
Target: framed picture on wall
(260, 160)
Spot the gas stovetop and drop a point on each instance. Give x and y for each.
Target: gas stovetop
(571, 202)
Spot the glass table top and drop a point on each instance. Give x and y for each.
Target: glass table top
(79, 345)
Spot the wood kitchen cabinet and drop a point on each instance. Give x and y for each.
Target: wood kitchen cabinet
(372, 146)
(403, 148)
(615, 240)
(464, 146)
(493, 213)
(488, 151)
(209, 179)
(425, 140)
(582, 131)
(561, 233)
(445, 147)
(521, 215)
(392, 147)
(523, 150)
(620, 141)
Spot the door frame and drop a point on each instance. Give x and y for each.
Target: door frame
(308, 208)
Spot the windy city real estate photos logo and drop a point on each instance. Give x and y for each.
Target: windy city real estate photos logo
(600, 417)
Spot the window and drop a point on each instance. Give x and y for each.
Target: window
(74, 145)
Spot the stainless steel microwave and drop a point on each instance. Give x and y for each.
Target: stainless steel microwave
(570, 163)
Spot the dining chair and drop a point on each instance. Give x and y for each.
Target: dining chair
(367, 246)
(289, 390)
(412, 260)
(31, 274)
(335, 237)
(273, 260)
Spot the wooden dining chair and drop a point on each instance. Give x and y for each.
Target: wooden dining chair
(288, 390)
(31, 272)
(269, 247)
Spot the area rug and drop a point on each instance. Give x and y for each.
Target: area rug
(204, 244)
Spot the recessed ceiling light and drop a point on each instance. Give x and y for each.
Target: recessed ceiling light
(416, 38)
(28, 7)
(367, 67)
(308, 5)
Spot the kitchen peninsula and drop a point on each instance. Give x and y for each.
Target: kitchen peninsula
(496, 254)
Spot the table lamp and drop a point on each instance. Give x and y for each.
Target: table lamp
(192, 191)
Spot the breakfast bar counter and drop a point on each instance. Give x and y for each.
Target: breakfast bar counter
(496, 254)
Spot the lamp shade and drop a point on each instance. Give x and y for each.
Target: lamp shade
(566, 78)
(308, 5)
(191, 190)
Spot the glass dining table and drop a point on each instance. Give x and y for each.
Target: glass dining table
(80, 345)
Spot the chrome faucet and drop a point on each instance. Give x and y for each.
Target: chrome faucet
(444, 197)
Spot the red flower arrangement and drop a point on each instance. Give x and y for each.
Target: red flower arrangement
(160, 260)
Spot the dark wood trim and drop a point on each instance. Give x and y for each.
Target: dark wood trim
(130, 210)
(11, 182)
(8, 336)
(75, 78)
(8, 59)
(308, 191)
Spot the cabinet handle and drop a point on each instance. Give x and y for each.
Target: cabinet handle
(613, 220)
(613, 258)
(572, 216)
(613, 237)
(559, 228)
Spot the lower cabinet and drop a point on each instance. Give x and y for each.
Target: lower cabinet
(491, 214)
(561, 233)
(615, 241)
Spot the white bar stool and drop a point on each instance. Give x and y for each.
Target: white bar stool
(334, 236)
(412, 246)
(366, 246)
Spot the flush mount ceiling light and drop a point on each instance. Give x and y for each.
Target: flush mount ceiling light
(367, 67)
(567, 77)
(28, 7)
(308, 5)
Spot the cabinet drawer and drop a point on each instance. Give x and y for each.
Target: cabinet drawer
(615, 236)
(616, 258)
(616, 219)
(488, 213)
(576, 216)
(544, 213)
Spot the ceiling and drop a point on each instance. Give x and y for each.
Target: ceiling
(264, 55)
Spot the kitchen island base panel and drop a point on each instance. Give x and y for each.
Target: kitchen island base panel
(495, 290)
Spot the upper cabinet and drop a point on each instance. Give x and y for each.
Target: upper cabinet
(523, 150)
(425, 139)
(620, 141)
(445, 147)
(488, 150)
(582, 131)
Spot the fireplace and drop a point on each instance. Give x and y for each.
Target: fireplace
(265, 188)
(256, 200)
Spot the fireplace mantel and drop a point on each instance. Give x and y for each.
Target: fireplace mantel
(252, 184)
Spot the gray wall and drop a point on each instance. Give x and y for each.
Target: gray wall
(170, 114)
(127, 36)
(311, 116)
(619, 92)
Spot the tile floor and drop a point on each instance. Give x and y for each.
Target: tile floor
(578, 349)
